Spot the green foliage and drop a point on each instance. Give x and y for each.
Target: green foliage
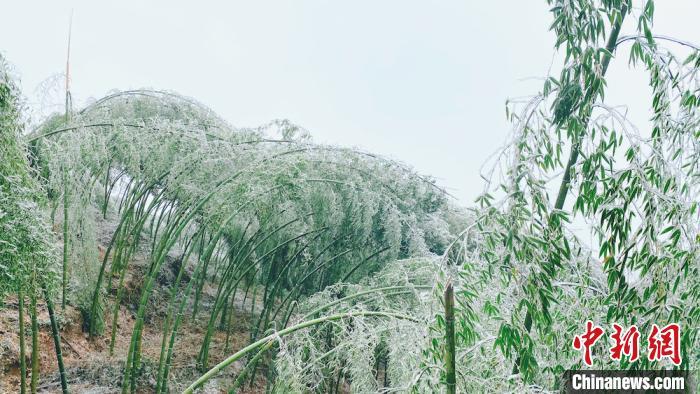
(311, 360)
(635, 191)
(25, 238)
(566, 102)
(251, 208)
(328, 243)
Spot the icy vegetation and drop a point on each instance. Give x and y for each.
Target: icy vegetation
(245, 207)
(348, 259)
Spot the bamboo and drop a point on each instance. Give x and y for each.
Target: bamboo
(575, 147)
(299, 283)
(249, 366)
(450, 378)
(107, 191)
(35, 340)
(100, 276)
(226, 289)
(204, 352)
(165, 244)
(275, 336)
(126, 259)
(22, 345)
(189, 247)
(56, 340)
(408, 289)
(358, 265)
(66, 242)
(264, 317)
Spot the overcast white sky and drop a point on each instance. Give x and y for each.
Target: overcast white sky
(422, 82)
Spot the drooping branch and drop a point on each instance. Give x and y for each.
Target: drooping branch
(591, 94)
(278, 335)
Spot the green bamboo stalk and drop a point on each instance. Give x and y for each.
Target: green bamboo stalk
(450, 376)
(22, 345)
(134, 354)
(107, 190)
(358, 265)
(255, 295)
(299, 283)
(229, 324)
(249, 366)
(125, 266)
(130, 235)
(409, 289)
(66, 241)
(245, 251)
(575, 146)
(115, 314)
(183, 218)
(224, 314)
(199, 281)
(35, 339)
(100, 276)
(115, 265)
(173, 335)
(204, 352)
(252, 331)
(270, 298)
(164, 366)
(231, 270)
(168, 239)
(56, 341)
(189, 247)
(275, 336)
(125, 195)
(165, 213)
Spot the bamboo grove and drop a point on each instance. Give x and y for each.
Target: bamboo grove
(358, 272)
